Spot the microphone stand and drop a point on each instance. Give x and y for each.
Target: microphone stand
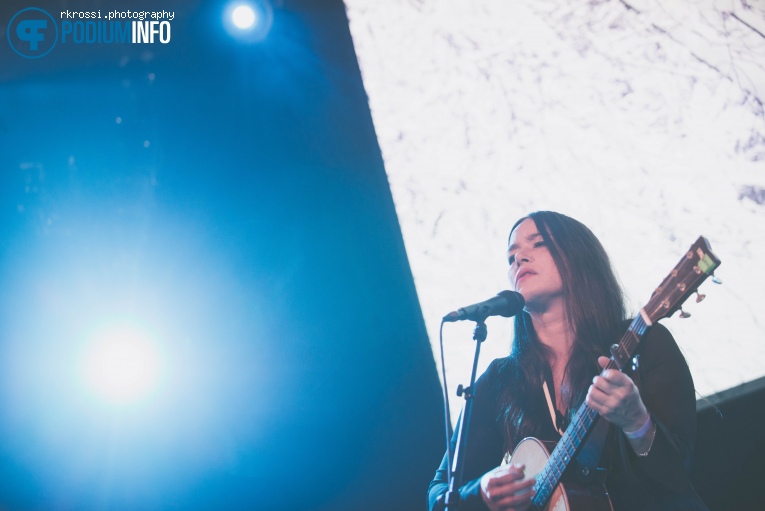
(452, 499)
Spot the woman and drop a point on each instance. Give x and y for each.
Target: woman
(574, 312)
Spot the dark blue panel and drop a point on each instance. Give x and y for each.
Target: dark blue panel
(231, 199)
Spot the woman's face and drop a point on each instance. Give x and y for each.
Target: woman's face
(532, 269)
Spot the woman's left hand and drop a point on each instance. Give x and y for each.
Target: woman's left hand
(615, 396)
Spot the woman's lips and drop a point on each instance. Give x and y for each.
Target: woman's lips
(523, 274)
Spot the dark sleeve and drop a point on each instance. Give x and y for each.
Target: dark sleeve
(484, 447)
(666, 387)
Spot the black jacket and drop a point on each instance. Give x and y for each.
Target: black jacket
(657, 482)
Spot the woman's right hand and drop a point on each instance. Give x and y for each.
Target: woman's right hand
(504, 488)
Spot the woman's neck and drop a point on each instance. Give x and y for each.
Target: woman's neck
(551, 326)
(553, 331)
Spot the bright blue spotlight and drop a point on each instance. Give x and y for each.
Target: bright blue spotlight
(248, 22)
(243, 17)
(122, 364)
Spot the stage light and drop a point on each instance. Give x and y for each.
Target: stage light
(243, 17)
(122, 364)
(248, 22)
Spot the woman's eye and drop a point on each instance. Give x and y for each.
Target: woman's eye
(539, 244)
(511, 259)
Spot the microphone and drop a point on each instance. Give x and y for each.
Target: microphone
(506, 304)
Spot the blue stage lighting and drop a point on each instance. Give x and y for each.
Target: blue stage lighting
(243, 17)
(248, 22)
(122, 364)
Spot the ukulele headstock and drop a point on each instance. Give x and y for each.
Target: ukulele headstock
(698, 263)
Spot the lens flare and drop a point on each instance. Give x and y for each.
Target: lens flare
(248, 22)
(122, 364)
(243, 17)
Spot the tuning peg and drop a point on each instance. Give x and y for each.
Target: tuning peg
(699, 297)
(684, 314)
(716, 280)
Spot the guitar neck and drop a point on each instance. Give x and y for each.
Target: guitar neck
(584, 420)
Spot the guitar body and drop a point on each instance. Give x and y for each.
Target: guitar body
(567, 496)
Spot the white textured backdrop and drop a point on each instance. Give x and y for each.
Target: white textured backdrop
(642, 119)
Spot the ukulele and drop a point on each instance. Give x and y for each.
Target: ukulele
(548, 467)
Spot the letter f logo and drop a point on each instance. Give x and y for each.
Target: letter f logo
(29, 30)
(32, 33)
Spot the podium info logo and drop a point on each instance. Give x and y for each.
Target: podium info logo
(32, 33)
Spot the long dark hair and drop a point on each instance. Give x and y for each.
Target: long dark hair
(595, 311)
